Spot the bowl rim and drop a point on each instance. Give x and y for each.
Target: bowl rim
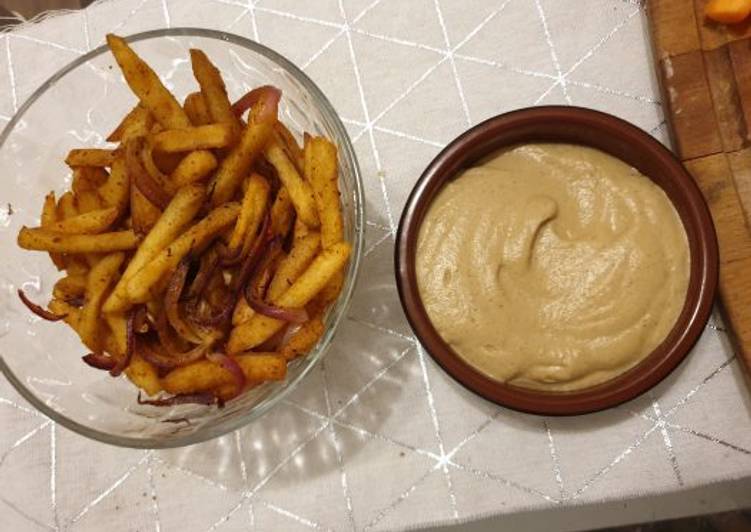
(558, 124)
(338, 312)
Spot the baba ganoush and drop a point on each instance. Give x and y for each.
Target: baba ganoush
(552, 266)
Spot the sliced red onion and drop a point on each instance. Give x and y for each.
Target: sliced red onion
(209, 262)
(141, 177)
(39, 311)
(267, 95)
(291, 315)
(201, 398)
(168, 360)
(99, 361)
(172, 308)
(231, 365)
(130, 346)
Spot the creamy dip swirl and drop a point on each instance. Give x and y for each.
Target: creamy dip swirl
(552, 266)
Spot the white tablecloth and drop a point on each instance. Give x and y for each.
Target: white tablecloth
(379, 437)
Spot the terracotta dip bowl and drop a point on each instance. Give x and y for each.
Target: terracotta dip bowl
(620, 139)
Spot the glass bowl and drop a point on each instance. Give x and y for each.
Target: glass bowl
(78, 107)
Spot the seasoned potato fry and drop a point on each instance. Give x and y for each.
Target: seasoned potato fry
(293, 265)
(72, 314)
(69, 287)
(260, 328)
(195, 107)
(299, 191)
(304, 339)
(43, 240)
(242, 311)
(88, 223)
(213, 90)
(88, 178)
(101, 277)
(282, 214)
(146, 85)
(116, 191)
(143, 375)
(194, 138)
(287, 141)
(118, 325)
(144, 214)
(251, 214)
(299, 230)
(193, 240)
(88, 201)
(321, 171)
(205, 375)
(234, 168)
(137, 120)
(49, 217)
(76, 265)
(90, 157)
(178, 214)
(66, 206)
(195, 166)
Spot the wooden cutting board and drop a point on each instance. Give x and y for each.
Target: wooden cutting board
(704, 71)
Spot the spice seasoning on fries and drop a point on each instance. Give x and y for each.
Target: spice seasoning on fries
(201, 252)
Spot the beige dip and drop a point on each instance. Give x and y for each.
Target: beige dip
(552, 266)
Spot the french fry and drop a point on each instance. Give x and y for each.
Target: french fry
(195, 107)
(193, 240)
(242, 311)
(178, 214)
(116, 191)
(137, 121)
(69, 287)
(100, 278)
(88, 201)
(66, 206)
(321, 171)
(90, 157)
(293, 265)
(118, 325)
(88, 223)
(49, 217)
(299, 191)
(146, 85)
(62, 308)
(287, 141)
(43, 240)
(88, 178)
(76, 265)
(205, 375)
(144, 214)
(213, 90)
(304, 339)
(282, 214)
(143, 375)
(260, 328)
(195, 166)
(194, 138)
(234, 168)
(252, 211)
(299, 230)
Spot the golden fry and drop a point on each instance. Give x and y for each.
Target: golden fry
(143, 375)
(195, 107)
(137, 120)
(205, 375)
(43, 240)
(69, 287)
(100, 278)
(321, 170)
(282, 214)
(234, 168)
(88, 201)
(195, 166)
(260, 328)
(252, 211)
(293, 265)
(90, 157)
(62, 308)
(49, 217)
(242, 311)
(118, 325)
(144, 214)
(88, 178)
(88, 223)
(178, 214)
(116, 191)
(299, 191)
(194, 138)
(192, 241)
(304, 339)
(66, 206)
(213, 90)
(287, 141)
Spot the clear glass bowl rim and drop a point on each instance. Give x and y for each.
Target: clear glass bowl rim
(339, 311)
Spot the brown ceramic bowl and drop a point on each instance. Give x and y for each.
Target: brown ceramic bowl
(611, 135)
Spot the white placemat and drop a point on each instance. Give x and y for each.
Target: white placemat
(379, 437)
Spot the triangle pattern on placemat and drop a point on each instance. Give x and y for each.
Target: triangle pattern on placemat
(415, 21)
(324, 10)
